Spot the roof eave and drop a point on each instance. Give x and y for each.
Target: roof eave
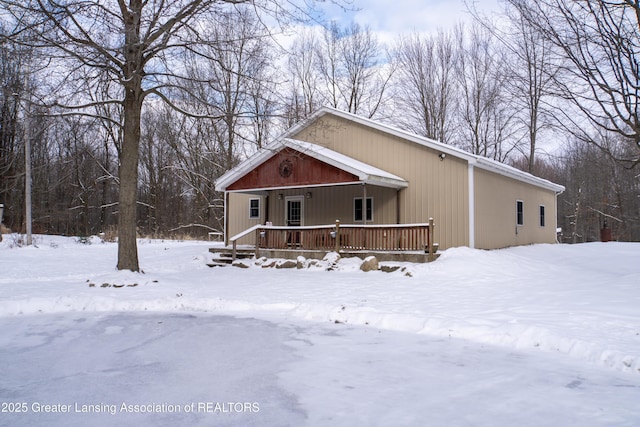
(382, 181)
(260, 157)
(518, 175)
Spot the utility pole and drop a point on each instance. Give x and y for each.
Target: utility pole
(27, 168)
(27, 152)
(27, 155)
(1, 213)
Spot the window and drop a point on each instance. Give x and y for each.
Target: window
(357, 209)
(519, 212)
(254, 208)
(541, 215)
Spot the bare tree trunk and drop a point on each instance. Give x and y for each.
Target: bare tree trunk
(127, 249)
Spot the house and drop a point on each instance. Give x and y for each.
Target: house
(340, 166)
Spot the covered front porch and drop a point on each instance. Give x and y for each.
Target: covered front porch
(390, 242)
(304, 199)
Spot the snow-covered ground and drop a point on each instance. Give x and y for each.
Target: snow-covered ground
(536, 335)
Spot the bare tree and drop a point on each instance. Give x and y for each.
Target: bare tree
(531, 73)
(425, 83)
(327, 54)
(228, 74)
(11, 150)
(305, 81)
(600, 42)
(363, 86)
(600, 192)
(135, 44)
(485, 112)
(529, 67)
(351, 66)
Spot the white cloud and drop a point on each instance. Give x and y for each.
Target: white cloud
(388, 18)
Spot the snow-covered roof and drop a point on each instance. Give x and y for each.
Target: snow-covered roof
(474, 160)
(366, 173)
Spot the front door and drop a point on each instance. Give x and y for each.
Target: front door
(293, 218)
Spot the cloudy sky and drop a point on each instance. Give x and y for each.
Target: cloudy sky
(389, 18)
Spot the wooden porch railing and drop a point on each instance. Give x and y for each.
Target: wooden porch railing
(337, 237)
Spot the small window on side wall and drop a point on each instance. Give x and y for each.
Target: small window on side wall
(542, 220)
(358, 209)
(254, 209)
(519, 212)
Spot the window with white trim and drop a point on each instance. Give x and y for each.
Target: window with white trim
(519, 212)
(358, 209)
(254, 208)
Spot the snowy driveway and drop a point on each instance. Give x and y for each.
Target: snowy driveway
(167, 369)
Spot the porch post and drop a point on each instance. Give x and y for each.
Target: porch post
(257, 251)
(364, 204)
(226, 218)
(431, 256)
(398, 206)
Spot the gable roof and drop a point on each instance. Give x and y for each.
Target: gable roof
(474, 160)
(365, 173)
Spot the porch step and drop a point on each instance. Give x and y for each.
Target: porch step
(217, 264)
(224, 257)
(246, 253)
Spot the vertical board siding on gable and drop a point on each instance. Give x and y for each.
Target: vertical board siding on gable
(437, 189)
(496, 198)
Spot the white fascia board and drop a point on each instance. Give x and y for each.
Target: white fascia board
(511, 172)
(264, 190)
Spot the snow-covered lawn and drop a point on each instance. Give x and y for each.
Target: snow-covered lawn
(537, 335)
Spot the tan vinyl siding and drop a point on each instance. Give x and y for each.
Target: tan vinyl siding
(239, 215)
(495, 212)
(328, 204)
(437, 188)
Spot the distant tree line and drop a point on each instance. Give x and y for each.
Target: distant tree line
(534, 89)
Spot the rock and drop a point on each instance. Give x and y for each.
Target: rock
(389, 268)
(287, 264)
(370, 263)
(240, 264)
(301, 262)
(269, 264)
(406, 272)
(331, 257)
